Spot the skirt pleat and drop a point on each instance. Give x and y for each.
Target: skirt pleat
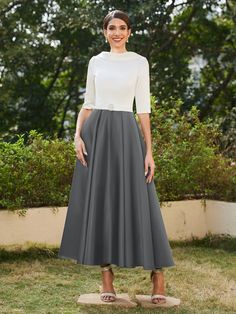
(113, 215)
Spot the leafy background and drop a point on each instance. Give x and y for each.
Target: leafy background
(45, 46)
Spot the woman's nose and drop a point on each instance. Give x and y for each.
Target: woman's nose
(117, 31)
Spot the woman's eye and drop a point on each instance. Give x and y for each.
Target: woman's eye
(112, 28)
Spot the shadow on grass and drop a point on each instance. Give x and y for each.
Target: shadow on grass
(32, 253)
(39, 252)
(222, 242)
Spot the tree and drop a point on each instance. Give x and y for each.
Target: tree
(46, 45)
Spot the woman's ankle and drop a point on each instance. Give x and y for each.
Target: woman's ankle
(105, 265)
(158, 270)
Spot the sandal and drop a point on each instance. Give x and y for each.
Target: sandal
(160, 297)
(104, 294)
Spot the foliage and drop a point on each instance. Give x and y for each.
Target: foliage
(227, 141)
(36, 174)
(187, 157)
(188, 163)
(46, 45)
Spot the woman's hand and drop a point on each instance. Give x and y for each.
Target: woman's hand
(149, 162)
(80, 150)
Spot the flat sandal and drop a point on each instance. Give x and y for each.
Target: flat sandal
(161, 297)
(104, 294)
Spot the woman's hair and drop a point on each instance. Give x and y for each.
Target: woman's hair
(116, 14)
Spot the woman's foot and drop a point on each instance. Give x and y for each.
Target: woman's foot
(158, 291)
(108, 292)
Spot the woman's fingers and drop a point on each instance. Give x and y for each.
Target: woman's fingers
(149, 177)
(84, 149)
(81, 157)
(149, 166)
(80, 151)
(149, 172)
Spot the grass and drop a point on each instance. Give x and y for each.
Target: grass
(34, 280)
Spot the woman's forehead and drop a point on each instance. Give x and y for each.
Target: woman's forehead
(116, 21)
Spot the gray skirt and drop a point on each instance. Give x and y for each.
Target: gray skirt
(113, 215)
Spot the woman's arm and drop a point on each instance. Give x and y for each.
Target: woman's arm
(82, 116)
(146, 129)
(85, 111)
(80, 148)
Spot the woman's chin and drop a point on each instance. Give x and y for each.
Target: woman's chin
(117, 45)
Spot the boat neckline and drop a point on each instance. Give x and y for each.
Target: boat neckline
(118, 55)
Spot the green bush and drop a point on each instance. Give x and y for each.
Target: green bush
(188, 163)
(187, 157)
(36, 174)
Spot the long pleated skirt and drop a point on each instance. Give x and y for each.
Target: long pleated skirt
(113, 214)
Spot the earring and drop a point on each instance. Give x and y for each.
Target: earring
(127, 40)
(106, 40)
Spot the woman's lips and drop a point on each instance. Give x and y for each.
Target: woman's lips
(117, 39)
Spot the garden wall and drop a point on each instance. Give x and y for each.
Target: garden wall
(183, 219)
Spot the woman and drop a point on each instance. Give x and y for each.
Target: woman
(114, 215)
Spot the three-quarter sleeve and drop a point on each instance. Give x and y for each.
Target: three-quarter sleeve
(89, 95)
(142, 90)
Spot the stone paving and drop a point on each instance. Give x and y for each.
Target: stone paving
(123, 300)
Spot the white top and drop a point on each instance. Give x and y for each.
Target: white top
(115, 79)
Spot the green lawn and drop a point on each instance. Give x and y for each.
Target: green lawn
(34, 280)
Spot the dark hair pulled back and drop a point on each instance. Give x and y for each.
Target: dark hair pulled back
(116, 14)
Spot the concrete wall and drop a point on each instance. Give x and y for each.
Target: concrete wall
(221, 217)
(182, 219)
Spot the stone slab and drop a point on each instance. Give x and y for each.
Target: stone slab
(145, 301)
(122, 299)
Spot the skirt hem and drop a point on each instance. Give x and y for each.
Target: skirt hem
(117, 264)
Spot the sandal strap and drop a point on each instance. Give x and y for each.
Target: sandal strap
(106, 268)
(109, 294)
(161, 296)
(158, 270)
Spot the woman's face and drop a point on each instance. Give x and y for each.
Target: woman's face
(117, 33)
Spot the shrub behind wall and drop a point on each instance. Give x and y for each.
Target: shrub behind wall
(36, 174)
(187, 158)
(188, 161)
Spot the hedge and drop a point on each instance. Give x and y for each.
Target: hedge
(189, 165)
